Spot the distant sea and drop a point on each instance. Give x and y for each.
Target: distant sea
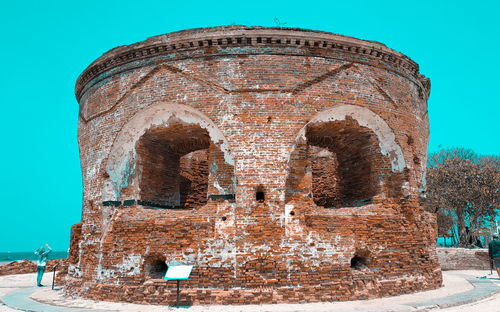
(7, 257)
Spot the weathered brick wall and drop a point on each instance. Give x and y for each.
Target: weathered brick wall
(284, 164)
(27, 266)
(463, 258)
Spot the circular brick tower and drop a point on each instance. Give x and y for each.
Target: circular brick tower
(284, 164)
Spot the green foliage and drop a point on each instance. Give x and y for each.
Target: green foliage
(463, 188)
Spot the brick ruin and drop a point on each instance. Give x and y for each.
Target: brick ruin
(286, 165)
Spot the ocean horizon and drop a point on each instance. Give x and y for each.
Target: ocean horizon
(6, 257)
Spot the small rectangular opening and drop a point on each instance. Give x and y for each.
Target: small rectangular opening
(259, 196)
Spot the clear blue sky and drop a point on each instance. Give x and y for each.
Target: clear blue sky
(45, 45)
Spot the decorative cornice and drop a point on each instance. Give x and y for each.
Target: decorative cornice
(242, 40)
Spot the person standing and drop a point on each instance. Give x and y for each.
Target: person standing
(494, 252)
(43, 256)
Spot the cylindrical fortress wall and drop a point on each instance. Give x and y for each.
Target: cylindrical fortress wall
(284, 164)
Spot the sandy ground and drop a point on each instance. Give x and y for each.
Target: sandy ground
(453, 283)
(10, 283)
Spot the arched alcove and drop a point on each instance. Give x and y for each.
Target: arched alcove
(346, 163)
(343, 157)
(170, 155)
(172, 166)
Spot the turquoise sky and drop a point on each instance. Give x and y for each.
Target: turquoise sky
(45, 45)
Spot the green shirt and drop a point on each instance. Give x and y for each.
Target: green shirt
(43, 256)
(494, 249)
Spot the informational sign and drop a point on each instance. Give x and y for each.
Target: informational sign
(178, 272)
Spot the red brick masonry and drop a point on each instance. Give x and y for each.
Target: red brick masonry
(284, 164)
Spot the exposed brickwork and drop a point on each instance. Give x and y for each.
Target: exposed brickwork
(463, 259)
(27, 266)
(279, 162)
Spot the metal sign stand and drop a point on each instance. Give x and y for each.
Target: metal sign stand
(177, 302)
(54, 274)
(178, 272)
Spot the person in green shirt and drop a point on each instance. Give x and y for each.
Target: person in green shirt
(43, 256)
(494, 252)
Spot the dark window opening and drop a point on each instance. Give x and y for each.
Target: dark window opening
(340, 164)
(358, 263)
(155, 267)
(173, 167)
(259, 196)
(361, 259)
(259, 193)
(346, 164)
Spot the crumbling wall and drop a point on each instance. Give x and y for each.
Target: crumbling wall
(26, 266)
(463, 258)
(285, 165)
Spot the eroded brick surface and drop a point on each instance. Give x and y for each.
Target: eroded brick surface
(463, 259)
(27, 266)
(284, 164)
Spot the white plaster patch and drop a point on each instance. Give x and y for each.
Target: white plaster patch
(292, 225)
(406, 188)
(108, 191)
(225, 227)
(131, 265)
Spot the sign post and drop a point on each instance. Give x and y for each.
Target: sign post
(178, 272)
(54, 274)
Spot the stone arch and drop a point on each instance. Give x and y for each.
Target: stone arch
(344, 156)
(158, 125)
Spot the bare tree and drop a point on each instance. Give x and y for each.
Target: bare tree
(463, 188)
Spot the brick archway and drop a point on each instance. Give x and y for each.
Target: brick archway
(161, 120)
(343, 157)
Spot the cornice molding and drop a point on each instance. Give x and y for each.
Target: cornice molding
(241, 40)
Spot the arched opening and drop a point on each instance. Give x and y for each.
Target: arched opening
(360, 260)
(344, 157)
(346, 163)
(173, 166)
(170, 156)
(155, 266)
